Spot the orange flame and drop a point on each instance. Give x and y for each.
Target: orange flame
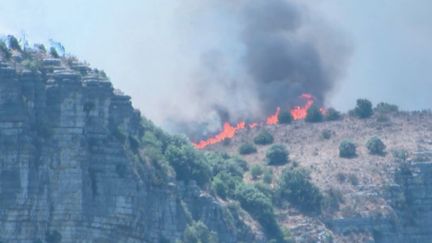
(229, 131)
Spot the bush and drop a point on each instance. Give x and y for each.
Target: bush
(268, 176)
(295, 186)
(263, 138)
(188, 163)
(285, 117)
(277, 155)
(5, 51)
(198, 232)
(225, 184)
(400, 155)
(326, 134)
(256, 171)
(363, 109)
(259, 206)
(314, 115)
(54, 53)
(347, 149)
(386, 108)
(247, 148)
(332, 115)
(375, 146)
(13, 43)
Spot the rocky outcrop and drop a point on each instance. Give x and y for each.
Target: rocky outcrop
(65, 173)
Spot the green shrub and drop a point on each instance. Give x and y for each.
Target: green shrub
(314, 115)
(225, 184)
(277, 155)
(188, 163)
(13, 43)
(332, 115)
(5, 51)
(326, 134)
(263, 138)
(363, 109)
(285, 117)
(347, 149)
(400, 155)
(198, 232)
(295, 187)
(247, 148)
(268, 176)
(259, 206)
(386, 108)
(256, 171)
(54, 53)
(376, 146)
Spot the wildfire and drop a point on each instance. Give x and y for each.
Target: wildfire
(229, 131)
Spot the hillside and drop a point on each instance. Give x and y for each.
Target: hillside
(361, 187)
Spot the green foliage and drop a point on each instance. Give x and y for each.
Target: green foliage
(332, 199)
(225, 184)
(332, 115)
(13, 43)
(32, 64)
(326, 134)
(4, 50)
(400, 155)
(347, 149)
(53, 237)
(260, 207)
(363, 109)
(277, 155)
(314, 115)
(221, 163)
(198, 232)
(256, 171)
(386, 108)
(188, 163)
(40, 47)
(268, 176)
(263, 138)
(247, 148)
(295, 187)
(54, 53)
(376, 146)
(285, 117)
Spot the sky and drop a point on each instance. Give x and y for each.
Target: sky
(151, 48)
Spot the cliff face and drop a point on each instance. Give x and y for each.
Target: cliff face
(64, 170)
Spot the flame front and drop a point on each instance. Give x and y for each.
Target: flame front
(229, 131)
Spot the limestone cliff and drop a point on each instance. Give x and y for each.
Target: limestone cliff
(70, 169)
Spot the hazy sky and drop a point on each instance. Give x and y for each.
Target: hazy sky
(150, 48)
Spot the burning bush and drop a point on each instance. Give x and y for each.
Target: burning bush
(263, 138)
(247, 148)
(295, 187)
(332, 115)
(314, 115)
(376, 146)
(277, 155)
(285, 117)
(347, 149)
(363, 109)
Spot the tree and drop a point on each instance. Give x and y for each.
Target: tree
(332, 115)
(263, 138)
(198, 232)
(347, 149)
(277, 155)
(363, 109)
(375, 146)
(314, 114)
(256, 171)
(295, 186)
(53, 52)
(285, 117)
(247, 148)
(13, 43)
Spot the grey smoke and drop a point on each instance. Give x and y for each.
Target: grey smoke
(285, 52)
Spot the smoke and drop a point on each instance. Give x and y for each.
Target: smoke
(277, 50)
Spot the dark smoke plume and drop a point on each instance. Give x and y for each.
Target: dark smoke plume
(285, 52)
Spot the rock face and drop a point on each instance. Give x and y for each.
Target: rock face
(64, 173)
